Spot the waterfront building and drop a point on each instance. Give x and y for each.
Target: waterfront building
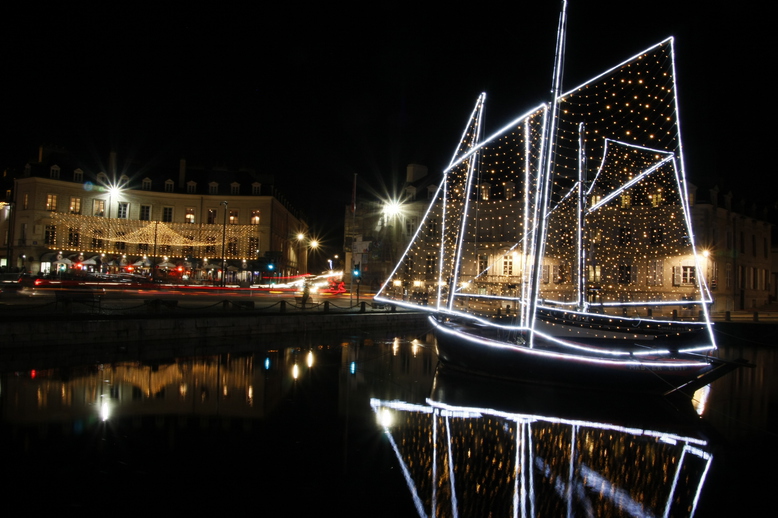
(186, 224)
(736, 248)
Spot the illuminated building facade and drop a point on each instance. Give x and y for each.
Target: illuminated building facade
(736, 245)
(61, 216)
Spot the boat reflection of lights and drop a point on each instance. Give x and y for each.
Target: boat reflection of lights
(700, 399)
(309, 359)
(533, 452)
(295, 371)
(105, 408)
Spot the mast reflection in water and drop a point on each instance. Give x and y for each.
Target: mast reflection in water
(461, 459)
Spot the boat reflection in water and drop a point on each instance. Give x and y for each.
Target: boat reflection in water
(518, 450)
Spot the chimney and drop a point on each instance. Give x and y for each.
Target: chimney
(182, 174)
(112, 166)
(415, 172)
(714, 196)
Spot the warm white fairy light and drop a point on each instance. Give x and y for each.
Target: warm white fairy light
(639, 258)
(81, 233)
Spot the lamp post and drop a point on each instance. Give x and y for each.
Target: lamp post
(300, 262)
(224, 244)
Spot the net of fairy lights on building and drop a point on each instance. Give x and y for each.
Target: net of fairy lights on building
(93, 234)
(618, 238)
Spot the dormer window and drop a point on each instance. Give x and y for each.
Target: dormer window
(213, 188)
(124, 180)
(256, 188)
(78, 175)
(235, 188)
(146, 184)
(169, 185)
(102, 178)
(54, 172)
(191, 187)
(410, 192)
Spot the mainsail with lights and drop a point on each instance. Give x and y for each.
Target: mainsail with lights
(570, 226)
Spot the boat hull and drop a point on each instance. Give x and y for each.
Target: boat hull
(474, 350)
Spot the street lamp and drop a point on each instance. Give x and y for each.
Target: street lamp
(224, 244)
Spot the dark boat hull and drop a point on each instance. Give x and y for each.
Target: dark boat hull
(469, 348)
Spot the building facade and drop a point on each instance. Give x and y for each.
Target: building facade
(736, 246)
(190, 225)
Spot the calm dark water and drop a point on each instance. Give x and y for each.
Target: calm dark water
(368, 426)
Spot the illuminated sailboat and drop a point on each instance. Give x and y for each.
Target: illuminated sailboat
(561, 246)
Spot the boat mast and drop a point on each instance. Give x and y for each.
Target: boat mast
(581, 300)
(472, 163)
(546, 162)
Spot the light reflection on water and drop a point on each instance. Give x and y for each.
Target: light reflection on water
(230, 427)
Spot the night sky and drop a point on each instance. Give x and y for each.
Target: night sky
(317, 94)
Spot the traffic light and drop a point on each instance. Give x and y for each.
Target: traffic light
(357, 272)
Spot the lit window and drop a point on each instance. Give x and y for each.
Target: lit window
(51, 202)
(98, 208)
(212, 216)
(233, 216)
(684, 275)
(255, 217)
(507, 265)
(190, 215)
(75, 205)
